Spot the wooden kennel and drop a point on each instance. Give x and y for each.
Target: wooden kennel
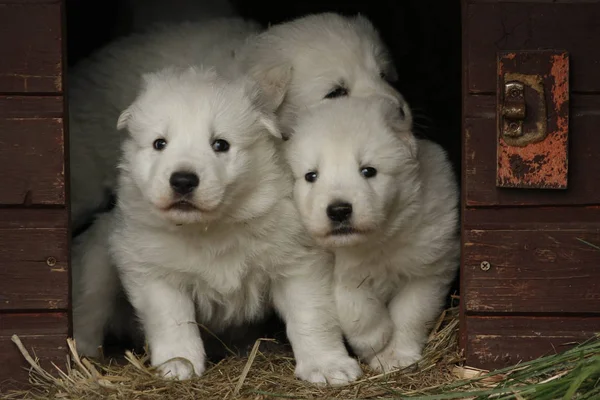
(530, 276)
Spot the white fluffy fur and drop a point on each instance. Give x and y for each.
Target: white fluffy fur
(323, 51)
(240, 251)
(400, 249)
(105, 84)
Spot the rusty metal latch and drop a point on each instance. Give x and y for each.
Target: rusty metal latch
(522, 125)
(514, 109)
(532, 119)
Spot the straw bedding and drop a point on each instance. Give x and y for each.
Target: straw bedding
(574, 374)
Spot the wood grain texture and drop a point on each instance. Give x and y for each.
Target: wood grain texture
(31, 47)
(531, 271)
(538, 268)
(43, 335)
(532, 218)
(32, 148)
(479, 147)
(497, 342)
(31, 107)
(34, 259)
(538, 158)
(528, 26)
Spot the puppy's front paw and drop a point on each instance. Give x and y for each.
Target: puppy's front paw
(180, 364)
(395, 356)
(333, 371)
(88, 345)
(87, 348)
(180, 369)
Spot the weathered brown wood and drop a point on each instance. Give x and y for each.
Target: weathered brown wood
(529, 26)
(34, 259)
(533, 150)
(30, 1)
(531, 271)
(479, 147)
(31, 106)
(31, 47)
(536, 264)
(32, 149)
(43, 335)
(33, 218)
(532, 218)
(496, 342)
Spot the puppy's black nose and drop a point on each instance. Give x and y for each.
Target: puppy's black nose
(184, 182)
(339, 212)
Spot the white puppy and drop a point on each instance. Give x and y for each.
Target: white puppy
(387, 205)
(103, 85)
(330, 56)
(205, 230)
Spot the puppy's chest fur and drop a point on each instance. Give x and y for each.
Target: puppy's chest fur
(378, 271)
(226, 269)
(385, 269)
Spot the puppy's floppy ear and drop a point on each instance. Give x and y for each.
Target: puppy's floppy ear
(274, 82)
(270, 123)
(263, 103)
(397, 121)
(380, 48)
(144, 81)
(124, 118)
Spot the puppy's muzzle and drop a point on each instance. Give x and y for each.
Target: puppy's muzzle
(183, 182)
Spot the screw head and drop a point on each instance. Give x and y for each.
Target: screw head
(51, 261)
(485, 265)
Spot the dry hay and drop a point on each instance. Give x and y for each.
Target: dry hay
(439, 375)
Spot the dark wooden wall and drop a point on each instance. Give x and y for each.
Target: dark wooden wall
(34, 276)
(530, 282)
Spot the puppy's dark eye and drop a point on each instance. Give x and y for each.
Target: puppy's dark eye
(220, 146)
(159, 144)
(311, 177)
(368, 172)
(338, 91)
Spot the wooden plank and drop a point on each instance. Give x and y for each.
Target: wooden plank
(479, 149)
(31, 106)
(34, 259)
(30, 1)
(531, 271)
(31, 48)
(43, 335)
(532, 218)
(528, 26)
(497, 342)
(533, 150)
(32, 149)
